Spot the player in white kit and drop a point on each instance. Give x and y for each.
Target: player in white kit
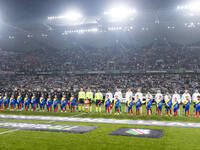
(194, 99)
(110, 96)
(185, 95)
(176, 97)
(140, 95)
(129, 95)
(157, 96)
(118, 94)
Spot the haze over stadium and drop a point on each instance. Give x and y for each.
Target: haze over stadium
(109, 70)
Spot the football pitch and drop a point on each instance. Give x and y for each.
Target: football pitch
(99, 139)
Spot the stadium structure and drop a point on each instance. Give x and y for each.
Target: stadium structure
(100, 75)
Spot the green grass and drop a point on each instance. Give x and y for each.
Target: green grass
(123, 115)
(176, 138)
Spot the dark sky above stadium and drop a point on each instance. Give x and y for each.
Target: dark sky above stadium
(24, 10)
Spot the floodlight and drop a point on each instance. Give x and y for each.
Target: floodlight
(193, 7)
(120, 12)
(69, 16)
(73, 16)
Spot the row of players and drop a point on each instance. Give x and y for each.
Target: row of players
(77, 99)
(91, 95)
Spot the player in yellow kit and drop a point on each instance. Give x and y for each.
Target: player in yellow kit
(98, 100)
(81, 99)
(89, 95)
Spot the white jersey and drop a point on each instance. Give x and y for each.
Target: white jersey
(177, 96)
(128, 95)
(148, 95)
(119, 95)
(184, 97)
(110, 95)
(194, 96)
(166, 97)
(157, 96)
(140, 95)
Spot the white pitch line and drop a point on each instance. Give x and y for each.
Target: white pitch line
(50, 121)
(9, 131)
(78, 115)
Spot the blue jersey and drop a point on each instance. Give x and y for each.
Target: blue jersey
(27, 100)
(42, 101)
(64, 101)
(49, 101)
(175, 106)
(55, 101)
(160, 103)
(197, 106)
(19, 99)
(149, 103)
(1, 100)
(169, 104)
(12, 101)
(117, 102)
(107, 103)
(130, 103)
(6, 99)
(137, 103)
(33, 100)
(73, 100)
(187, 105)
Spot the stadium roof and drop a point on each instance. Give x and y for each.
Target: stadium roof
(23, 10)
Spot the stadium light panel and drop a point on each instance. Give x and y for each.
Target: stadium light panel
(73, 16)
(193, 7)
(120, 13)
(70, 16)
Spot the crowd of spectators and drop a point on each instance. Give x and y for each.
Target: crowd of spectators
(160, 56)
(148, 82)
(153, 57)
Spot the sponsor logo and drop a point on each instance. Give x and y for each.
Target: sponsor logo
(46, 127)
(138, 131)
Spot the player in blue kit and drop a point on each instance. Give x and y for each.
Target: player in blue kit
(168, 107)
(130, 106)
(12, 102)
(197, 107)
(33, 102)
(55, 103)
(49, 103)
(137, 104)
(6, 101)
(20, 102)
(159, 105)
(149, 105)
(187, 106)
(42, 102)
(26, 102)
(175, 107)
(1, 102)
(73, 103)
(64, 103)
(117, 105)
(107, 104)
